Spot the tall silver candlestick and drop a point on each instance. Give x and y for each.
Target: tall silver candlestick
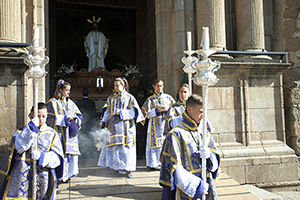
(36, 71)
(204, 77)
(189, 61)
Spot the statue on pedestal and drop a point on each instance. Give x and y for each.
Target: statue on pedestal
(96, 46)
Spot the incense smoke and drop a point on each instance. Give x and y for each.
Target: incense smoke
(91, 138)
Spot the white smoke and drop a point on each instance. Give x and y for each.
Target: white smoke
(99, 137)
(92, 139)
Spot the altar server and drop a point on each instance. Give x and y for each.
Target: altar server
(65, 117)
(155, 109)
(181, 157)
(17, 164)
(121, 114)
(174, 115)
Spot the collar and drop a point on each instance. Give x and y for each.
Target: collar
(43, 126)
(188, 122)
(119, 94)
(181, 102)
(157, 94)
(64, 99)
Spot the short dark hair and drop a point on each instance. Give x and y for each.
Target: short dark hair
(85, 92)
(193, 100)
(41, 105)
(157, 81)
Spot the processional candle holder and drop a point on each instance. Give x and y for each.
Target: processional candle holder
(36, 71)
(205, 77)
(189, 61)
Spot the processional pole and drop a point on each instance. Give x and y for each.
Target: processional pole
(36, 71)
(189, 61)
(204, 77)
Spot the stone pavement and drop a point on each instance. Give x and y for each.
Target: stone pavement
(101, 183)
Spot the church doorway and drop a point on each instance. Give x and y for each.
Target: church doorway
(124, 23)
(127, 24)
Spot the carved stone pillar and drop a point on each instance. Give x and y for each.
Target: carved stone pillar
(10, 21)
(211, 13)
(250, 25)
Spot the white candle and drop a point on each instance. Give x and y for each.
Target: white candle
(36, 34)
(189, 40)
(205, 38)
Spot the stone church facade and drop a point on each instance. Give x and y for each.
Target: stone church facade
(255, 105)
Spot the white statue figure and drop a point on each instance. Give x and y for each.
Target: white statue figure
(96, 46)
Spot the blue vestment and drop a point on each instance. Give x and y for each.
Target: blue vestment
(156, 126)
(174, 115)
(180, 172)
(58, 110)
(18, 166)
(119, 152)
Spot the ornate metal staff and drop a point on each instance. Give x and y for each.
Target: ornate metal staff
(189, 61)
(36, 71)
(205, 77)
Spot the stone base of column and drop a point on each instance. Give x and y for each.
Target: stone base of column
(261, 164)
(257, 56)
(225, 56)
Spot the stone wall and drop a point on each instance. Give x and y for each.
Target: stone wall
(16, 93)
(246, 107)
(287, 38)
(13, 97)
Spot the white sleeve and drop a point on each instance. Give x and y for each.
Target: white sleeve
(126, 114)
(151, 113)
(105, 116)
(50, 159)
(175, 121)
(214, 161)
(185, 180)
(60, 120)
(24, 140)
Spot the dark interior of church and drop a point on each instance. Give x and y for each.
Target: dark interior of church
(117, 24)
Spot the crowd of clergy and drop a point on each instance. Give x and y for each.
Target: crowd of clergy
(174, 143)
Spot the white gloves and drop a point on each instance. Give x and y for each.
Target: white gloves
(35, 155)
(205, 153)
(205, 187)
(36, 121)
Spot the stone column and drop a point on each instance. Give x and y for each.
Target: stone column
(10, 21)
(250, 25)
(211, 13)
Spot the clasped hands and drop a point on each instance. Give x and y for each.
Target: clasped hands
(70, 118)
(162, 108)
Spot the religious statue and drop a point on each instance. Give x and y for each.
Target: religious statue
(96, 46)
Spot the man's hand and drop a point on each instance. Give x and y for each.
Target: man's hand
(69, 118)
(35, 155)
(205, 187)
(162, 109)
(205, 153)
